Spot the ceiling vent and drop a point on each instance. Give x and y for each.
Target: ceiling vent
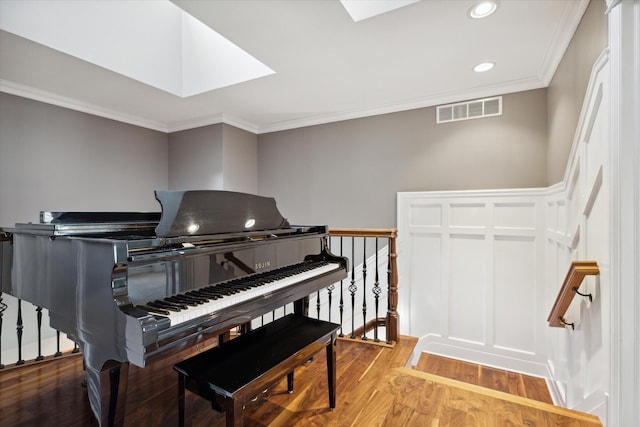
(475, 109)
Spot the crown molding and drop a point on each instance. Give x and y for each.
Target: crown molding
(73, 104)
(410, 104)
(611, 4)
(565, 31)
(214, 119)
(46, 97)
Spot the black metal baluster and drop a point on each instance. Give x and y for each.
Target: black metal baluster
(58, 352)
(3, 307)
(76, 349)
(364, 289)
(39, 316)
(376, 292)
(19, 327)
(330, 289)
(341, 305)
(353, 288)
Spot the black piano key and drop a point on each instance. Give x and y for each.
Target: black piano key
(153, 304)
(166, 305)
(192, 298)
(177, 299)
(153, 310)
(202, 293)
(219, 290)
(228, 288)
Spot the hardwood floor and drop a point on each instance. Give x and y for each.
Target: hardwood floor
(373, 389)
(484, 376)
(50, 393)
(408, 397)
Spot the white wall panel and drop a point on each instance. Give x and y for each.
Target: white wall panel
(515, 215)
(467, 288)
(472, 215)
(515, 293)
(426, 293)
(473, 279)
(425, 215)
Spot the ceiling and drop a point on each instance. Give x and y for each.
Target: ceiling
(326, 66)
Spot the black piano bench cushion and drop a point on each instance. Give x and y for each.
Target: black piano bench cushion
(240, 369)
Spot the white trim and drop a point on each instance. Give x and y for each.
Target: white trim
(408, 104)
(592, 90)
(509, 192)
(213, 120)
(566, 29)
(611, 4)
(624, 33)
(28, 92)
(464, 351)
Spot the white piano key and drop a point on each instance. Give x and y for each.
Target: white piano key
(212, 306)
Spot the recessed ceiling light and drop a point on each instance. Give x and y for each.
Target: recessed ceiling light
(483, 9)
(484, 66)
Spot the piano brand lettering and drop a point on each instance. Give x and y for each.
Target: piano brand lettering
(262, 264)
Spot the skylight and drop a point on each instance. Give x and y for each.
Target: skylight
(360, 9)
(154, 42)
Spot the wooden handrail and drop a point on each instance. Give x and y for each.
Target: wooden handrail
(569, 289)
(392, 318)
(364, 232)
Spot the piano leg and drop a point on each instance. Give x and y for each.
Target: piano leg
(301, 306)
(113, 383)
(107, 389)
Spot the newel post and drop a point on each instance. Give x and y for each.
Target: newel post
(393, 323)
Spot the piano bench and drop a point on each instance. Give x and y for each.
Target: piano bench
(239, 370)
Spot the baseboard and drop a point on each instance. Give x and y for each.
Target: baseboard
(480, 355)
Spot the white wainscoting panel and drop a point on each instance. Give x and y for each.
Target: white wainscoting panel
(467, 299)
(515, 293)
(469, 276)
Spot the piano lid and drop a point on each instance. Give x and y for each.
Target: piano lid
(198, 212)
(94, 224)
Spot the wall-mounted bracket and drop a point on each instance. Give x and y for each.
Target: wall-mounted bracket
(583, 295)
(573, 326)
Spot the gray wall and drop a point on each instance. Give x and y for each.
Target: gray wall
(52, 158)
(346, 174)
(215, 157)
(569, 84)
(240, 160)
(195, 159)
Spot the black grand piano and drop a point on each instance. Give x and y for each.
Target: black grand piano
(132, 287)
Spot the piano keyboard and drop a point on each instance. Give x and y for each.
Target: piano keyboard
(192, 304)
